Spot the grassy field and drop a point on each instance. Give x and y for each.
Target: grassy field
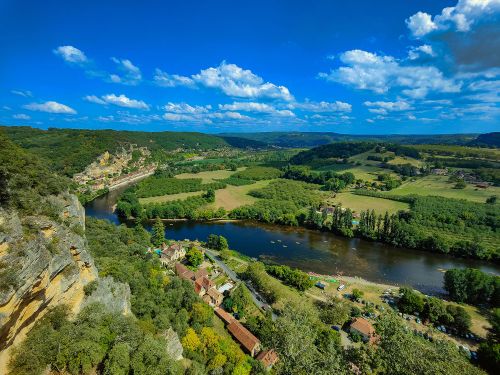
(208, 176)
(365, 172)
(397, 160)
(169, 197)
(360, 203)
(236, 196)
(439, 185)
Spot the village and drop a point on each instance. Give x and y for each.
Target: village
(214, 281)
(112, 170)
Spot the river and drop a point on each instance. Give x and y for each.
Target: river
(311, 250)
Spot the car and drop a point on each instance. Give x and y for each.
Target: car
(341, 287)
(336, 328)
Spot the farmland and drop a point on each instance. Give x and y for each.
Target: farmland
(439, 186)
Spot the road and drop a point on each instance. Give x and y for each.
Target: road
(257, 298)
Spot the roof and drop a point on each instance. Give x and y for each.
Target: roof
(201, 273)
(214, 293)
(243, 335)
(363, 326)
(268, 357)
(183, 272)
(224, 315)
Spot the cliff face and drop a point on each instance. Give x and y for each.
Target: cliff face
(44, 262)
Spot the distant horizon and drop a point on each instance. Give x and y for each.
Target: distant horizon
(251, 132)
(358, 67)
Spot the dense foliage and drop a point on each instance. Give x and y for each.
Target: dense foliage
(472, 286)
(281, 202)
(458, 227)
(291, 276)
(25, 181)
(69, 151)
(341, 150)
(116, 343)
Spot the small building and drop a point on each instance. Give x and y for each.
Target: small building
(183, 272)
(268, 358)
(364, 328)
(224, 315)
(248, 341)
(215, 297)
(172, 253)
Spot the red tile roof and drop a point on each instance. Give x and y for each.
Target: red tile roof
(244, 336)
(183, 272)
(364, 327)
(268, 357)
(224, 315)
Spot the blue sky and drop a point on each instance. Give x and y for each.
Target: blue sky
(360, 67)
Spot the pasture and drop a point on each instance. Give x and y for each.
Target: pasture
(360, 203)
(439, 186)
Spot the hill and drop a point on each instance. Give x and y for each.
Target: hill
(69, 151)
(313, 139)
(488, 140)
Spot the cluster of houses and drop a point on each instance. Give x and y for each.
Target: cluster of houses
(171, 256)
(109, 169)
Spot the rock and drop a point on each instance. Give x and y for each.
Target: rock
(114, 295)
(174, 347)
(44, 262)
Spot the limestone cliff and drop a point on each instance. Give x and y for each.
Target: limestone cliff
(44, 262)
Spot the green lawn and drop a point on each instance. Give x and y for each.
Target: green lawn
(439, 185)
(360, 203)
(365, 172)
(236, 196)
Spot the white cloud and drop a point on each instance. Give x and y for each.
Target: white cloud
(50, 107)
(186, 108)
(25, 93)
(171, 80)
(131, 74)
(256, 107)
(237, 82)
(71, 54)
(323, 106)
(420, 51)
(382, 108)
(459, 18)
(94, 99)
(228, 115)
(420, 24)
(120, 100)
(369, 71)
(21, 116)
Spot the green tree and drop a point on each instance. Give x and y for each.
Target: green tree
(158, 232)
(194, 257)
(435, 310)
(118, 360)
(357, 294)
(492, 199)
(410, 301)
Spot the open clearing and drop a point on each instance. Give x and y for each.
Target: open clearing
(365, 172)
(209, 176)
(169, 197)
(236, 196)
(360, 203)
(439, 185)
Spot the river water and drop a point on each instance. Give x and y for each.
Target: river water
(311, 250)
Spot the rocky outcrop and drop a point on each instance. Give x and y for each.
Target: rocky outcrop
(174, 347)
(115, 296)
(44, 262)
